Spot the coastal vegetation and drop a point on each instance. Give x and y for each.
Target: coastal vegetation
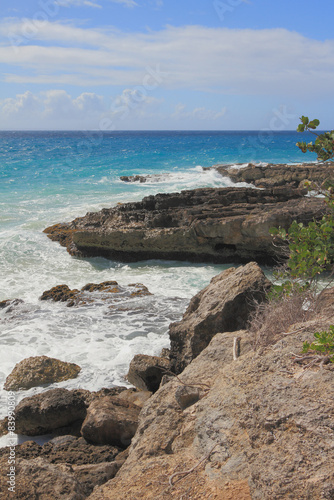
(309, 249)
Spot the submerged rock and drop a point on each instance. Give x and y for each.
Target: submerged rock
(202, 225)
(223, 306)
(39, 370)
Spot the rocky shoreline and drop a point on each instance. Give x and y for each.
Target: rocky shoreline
(219, 225)
(213, 417)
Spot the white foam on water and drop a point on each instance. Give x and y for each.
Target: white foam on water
(100, 340)
(179, 180)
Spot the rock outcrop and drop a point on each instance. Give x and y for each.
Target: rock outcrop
(268, 176)
(223, 306)
(61, 464)
(146, 372)
(203, 225)
(39, 370)
(261, 429)
(107, 291)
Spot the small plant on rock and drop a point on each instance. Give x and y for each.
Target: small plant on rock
(321, 350)
(323, 344)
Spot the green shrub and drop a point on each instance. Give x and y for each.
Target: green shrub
(323, 343)
(311, 247)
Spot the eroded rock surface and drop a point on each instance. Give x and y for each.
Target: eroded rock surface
(46, 412)
(39, 370)
(209, 224)
(223, 306)
(264, 429)
(111, 420)
(267, 176)
(107, 291)
(146, 372)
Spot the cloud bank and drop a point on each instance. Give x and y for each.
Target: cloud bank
(255, 62)
(58, 110)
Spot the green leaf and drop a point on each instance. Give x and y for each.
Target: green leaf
(305, 120)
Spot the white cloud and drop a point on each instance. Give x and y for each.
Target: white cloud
(201, 113)
(271, 61)
(132, 109)
(57, 109)
(52, 109)
(127, 3)
(77, 3)
(88, 3)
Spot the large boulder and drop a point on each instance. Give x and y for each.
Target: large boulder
(39, 370)
(146, 372)
(202, 225)
(111, 420)
(223, 306)
(50, 411)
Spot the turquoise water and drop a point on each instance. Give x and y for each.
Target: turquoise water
(49, 177)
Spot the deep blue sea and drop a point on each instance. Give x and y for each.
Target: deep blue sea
(49, 177)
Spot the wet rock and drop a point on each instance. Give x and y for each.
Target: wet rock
(224, 305)
(10, 304)
(59, 293)
(39, 370)
(267, 176)
(111, 420)
(133, 178)
(146, 372)
(203, 225)
(49, 411)
(107, 291)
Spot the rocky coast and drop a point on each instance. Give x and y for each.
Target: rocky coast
(214, 417)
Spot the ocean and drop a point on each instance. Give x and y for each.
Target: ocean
(50, 177)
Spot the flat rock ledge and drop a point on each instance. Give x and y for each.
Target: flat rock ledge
(218, 225)
(272, 175)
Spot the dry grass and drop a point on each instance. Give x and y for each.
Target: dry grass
(271, 320)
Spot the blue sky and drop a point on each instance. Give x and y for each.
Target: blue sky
(165, 64)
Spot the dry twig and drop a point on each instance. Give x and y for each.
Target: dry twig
(198, 384)
(187, 472)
